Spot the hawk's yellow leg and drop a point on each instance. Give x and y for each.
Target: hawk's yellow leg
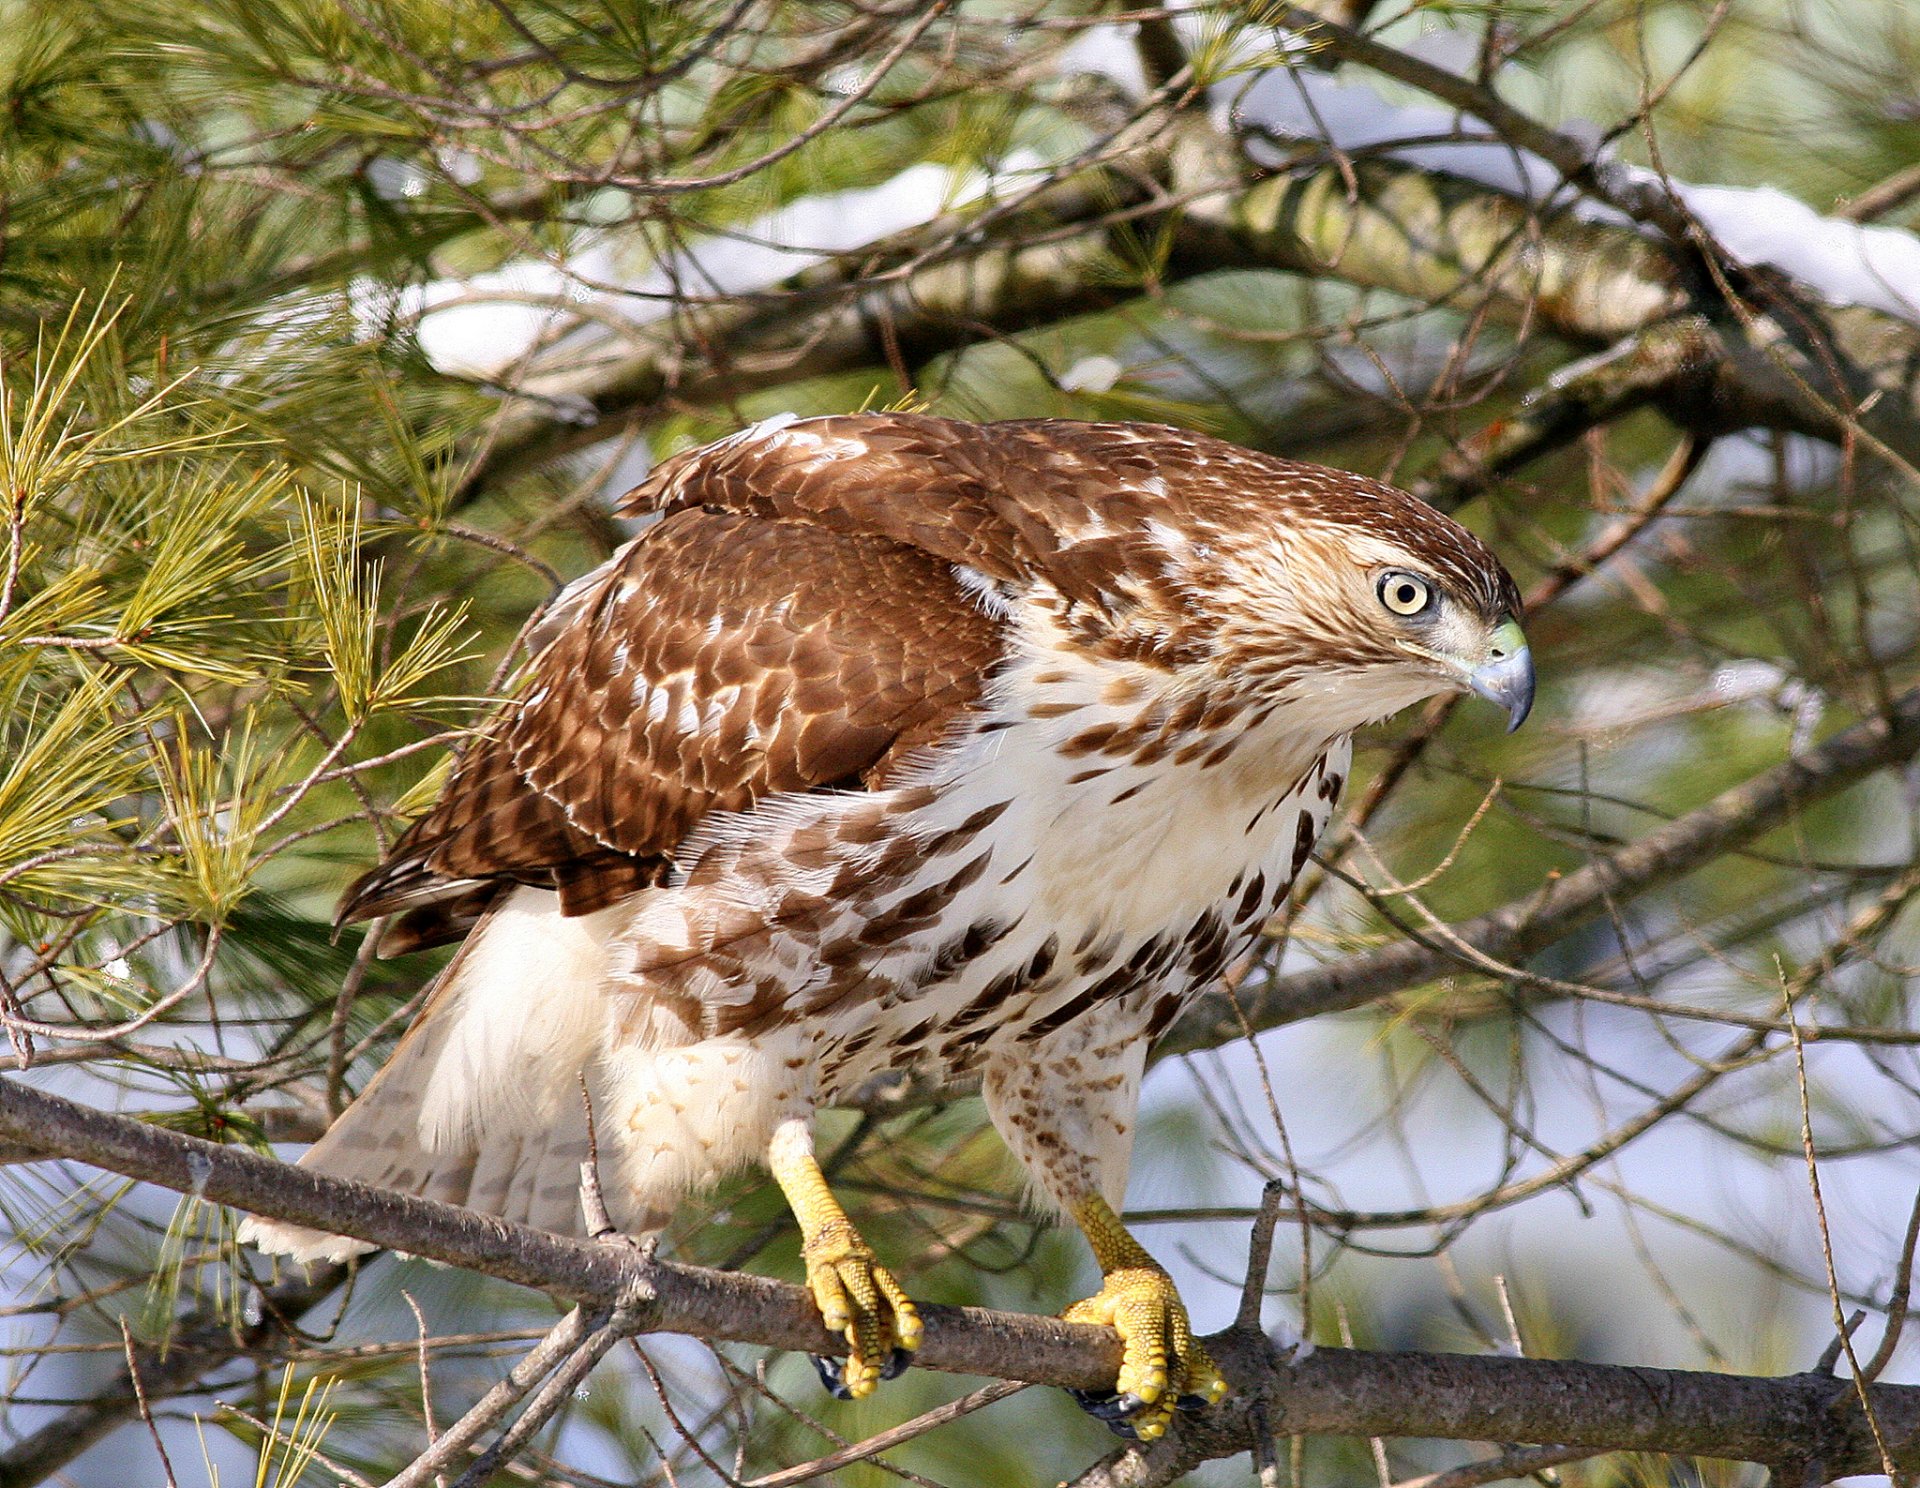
(857, 1296)
(1161, 1365)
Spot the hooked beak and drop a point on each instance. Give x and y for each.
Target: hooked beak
(1506, 676)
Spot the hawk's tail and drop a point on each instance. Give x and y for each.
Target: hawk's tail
(480, 1104)
(532, 1179)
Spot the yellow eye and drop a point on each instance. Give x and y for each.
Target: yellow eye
(1405, 593)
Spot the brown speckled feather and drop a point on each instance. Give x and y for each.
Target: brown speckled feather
(1141, 653)
(1078, 507)
(816, 602)
(1015, 501)
(718, 659)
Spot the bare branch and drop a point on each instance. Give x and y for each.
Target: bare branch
(1729, 821)
(189, 1355)
(1416, 232)
(1885, 196)
(1579, 164)
(1349, 1391)
(450, 1445)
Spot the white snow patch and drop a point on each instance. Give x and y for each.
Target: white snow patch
(1092, 374)
(480, 325)
(1605, 707)
(1109, 51)
(1848, 264)
(1843, 262)
(1281, 107)
(1748, 462)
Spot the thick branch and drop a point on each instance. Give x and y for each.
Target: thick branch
(1589, 170)
(1331, 1391)
(1344, 1391)
(861, 310)
(1788, 365)
(1516, 930)
(671, 1298)
(1478, 1397)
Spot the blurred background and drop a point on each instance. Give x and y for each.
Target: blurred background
(331, 333)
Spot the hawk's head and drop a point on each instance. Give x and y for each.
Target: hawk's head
(1351, 600)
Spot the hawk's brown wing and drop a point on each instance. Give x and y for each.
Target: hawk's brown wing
(721, 658)
(1048, 499)
(1080, 510)
(814, 602)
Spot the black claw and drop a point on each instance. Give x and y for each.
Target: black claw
(1114, 1410)
(896, 1364)
(1102, 1405)
(1192, 1404)
(1128, 1405)
(831, 1376)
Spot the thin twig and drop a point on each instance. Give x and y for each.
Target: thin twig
(1860, 1382)
(906, 1431)
(140, 1398)
(1899, 1300)
(565, 1336)
(609, 1329)
(1253, 1291)
(1522, 1462)
(424, 1361)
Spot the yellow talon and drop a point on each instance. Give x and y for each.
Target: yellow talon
(858, 1298)
(1162, 1366)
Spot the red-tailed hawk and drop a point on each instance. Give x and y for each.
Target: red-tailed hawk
(899, 743)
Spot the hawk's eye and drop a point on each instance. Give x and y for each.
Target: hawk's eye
(1405, 593)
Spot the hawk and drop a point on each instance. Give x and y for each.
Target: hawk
(899, 744)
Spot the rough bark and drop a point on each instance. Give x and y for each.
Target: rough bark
(1344, 1391)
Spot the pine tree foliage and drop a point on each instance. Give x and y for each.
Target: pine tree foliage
(328, 332)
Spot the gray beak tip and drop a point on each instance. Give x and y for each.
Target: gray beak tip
(1506, 678)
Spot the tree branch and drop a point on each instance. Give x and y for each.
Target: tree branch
(1579, 164)
(1889, 195)
(188, 1357)
(715, 1305)
(1480, 1397)
(937, 287)
(1344, 1391)
(1788, 364)
(1729, 821)
(1658, 363)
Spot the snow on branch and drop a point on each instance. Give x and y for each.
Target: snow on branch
(1422, 201)
(1482, 139)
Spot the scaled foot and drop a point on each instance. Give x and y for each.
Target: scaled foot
(1162, 1367)
(858, 1299)
(857, 1296)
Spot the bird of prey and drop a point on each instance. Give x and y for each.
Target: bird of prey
(899, 744)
